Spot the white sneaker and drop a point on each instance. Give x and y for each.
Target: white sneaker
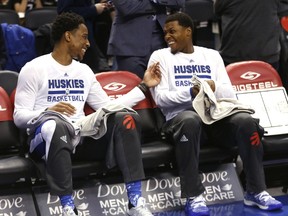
(69, 211)
(196, 207)
(141, 209)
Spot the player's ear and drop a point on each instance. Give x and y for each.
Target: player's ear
(67, 35)
(189, 30)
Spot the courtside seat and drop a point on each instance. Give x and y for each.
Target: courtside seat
(252, 76)
(9, 16)
(39, 16)
(156, 149)
(8, 80)
(13, 163)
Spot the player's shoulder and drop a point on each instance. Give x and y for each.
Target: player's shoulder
(162, 51)
(84, 68)
(207, 52)
(39, 61)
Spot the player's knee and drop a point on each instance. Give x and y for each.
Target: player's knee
(190, 120)
(128, 120)
(243, 120)
(48, 129)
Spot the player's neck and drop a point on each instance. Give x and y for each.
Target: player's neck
(61, 57)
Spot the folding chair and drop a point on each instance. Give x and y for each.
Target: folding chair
(8, 80)
(39, 16)
(9, 16)
(13, 163)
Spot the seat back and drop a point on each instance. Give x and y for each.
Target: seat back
(9, 16)
(118, 83)
(258, 84)
(8, 80)
(9, 138)
(9, 132)
(253, 75)
(257, 76)
(13, 163)
(39, 16)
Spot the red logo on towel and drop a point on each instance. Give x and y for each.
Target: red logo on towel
(129, 122)
(255, 139)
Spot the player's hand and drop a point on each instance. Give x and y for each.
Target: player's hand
(152, 76)
(195, 90)
(63, 108)
(100, 7)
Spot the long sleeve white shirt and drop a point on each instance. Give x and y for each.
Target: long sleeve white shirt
(43, 82)
(172, 95)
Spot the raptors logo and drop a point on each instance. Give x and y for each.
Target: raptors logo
(255, 139)
(129, 122)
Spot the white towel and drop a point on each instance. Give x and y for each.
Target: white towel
(211, 109)
(93, 125)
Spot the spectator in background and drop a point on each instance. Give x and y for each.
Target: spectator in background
(21, 6)
(89, 11)
(250, 30)
(137, 30)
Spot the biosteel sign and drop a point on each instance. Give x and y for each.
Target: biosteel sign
(253, 81)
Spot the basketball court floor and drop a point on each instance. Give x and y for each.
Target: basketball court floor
(107, 196)
(236, 209)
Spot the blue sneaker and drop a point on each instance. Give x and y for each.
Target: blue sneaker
(196, 207)
(263, 200)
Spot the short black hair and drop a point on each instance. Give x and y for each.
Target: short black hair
(67, 21)
(183, 19)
